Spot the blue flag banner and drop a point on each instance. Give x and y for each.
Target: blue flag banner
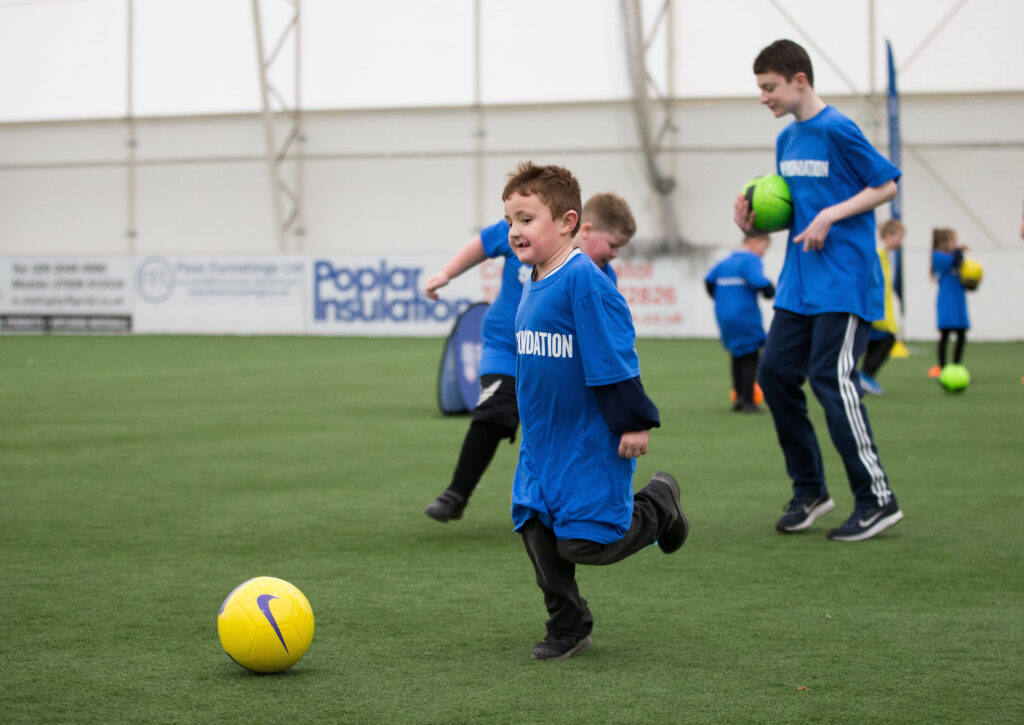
(458, 381)
(895, 152)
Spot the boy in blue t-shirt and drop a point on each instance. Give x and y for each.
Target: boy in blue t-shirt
(830, 290)
(607, 226)
(585, 416)
(734, 284)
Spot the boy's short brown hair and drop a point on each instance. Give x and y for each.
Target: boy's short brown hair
(554, 185)
(893, 226)
(785, 58)
(609, 212)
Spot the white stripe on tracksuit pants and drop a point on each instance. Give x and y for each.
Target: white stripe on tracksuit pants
(822, 349)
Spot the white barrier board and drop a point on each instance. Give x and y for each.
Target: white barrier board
(380, 295)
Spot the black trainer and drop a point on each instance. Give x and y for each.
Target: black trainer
(801, 512)
(560, 647)
(865, 523)
(449, 505)
(674, 536)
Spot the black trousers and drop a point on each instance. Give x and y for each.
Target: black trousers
(958, 346)
(821, 349)
(554, 560)
(744, 374)
(877, 353)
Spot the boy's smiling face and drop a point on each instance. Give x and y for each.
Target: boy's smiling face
(534, 236)
(781, 96)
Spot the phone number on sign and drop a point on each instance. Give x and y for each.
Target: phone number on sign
(652, 295)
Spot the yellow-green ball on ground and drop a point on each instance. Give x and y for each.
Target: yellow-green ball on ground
(954, 378)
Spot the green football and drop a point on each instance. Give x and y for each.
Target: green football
(770, 201)
(954, 378)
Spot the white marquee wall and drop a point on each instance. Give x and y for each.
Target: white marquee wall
(404, 182)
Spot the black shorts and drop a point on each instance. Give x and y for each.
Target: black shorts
(497, 402)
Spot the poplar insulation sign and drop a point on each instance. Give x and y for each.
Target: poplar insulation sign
(293, 295)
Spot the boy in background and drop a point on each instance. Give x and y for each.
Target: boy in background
(830, 289)
(607, 226)
(734, 284)
(585, 415)
(883, 331)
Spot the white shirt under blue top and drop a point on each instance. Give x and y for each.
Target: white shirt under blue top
(498, 355)
(573, 331)
(826, 160)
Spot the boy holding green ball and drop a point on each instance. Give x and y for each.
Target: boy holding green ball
(830, 290)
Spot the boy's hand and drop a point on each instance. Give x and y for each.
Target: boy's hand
(813, 237)
(435, 283)
(743, 216)
(633, 444)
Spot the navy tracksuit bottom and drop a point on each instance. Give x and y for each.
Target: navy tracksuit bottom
(823, 350)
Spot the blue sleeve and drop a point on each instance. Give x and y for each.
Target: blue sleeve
(753, 273)
(604, 328)
(495, 240)
(626, 407)
(867, 163)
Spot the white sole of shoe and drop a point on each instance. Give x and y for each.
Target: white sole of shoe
(812, 516)
(878, 527)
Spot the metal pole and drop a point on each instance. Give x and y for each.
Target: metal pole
(300, 139)
(478, 131)
(132, 142)
(268, 130)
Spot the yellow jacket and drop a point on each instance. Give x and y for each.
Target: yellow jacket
(889, 322)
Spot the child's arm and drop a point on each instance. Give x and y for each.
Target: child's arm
(469, 256)
(813, 237)
(627, 410)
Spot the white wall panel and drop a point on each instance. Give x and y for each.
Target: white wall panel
(406, 182)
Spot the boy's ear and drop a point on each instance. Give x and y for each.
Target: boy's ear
(801, 79)
(569, 219)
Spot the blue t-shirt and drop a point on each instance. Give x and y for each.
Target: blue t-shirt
(826, 160)
(737, 278)
(498, 356)
(951, 303)
(573, 331)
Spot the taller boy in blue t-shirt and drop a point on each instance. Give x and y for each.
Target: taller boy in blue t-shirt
(585, 415)
(830, 290)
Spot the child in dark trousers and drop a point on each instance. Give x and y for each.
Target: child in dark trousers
(830, 290)
(734, 284)
(883, 332)
(585, 416)
(951, 302)
(607, 226)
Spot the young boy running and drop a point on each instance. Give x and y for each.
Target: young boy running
(830, 289)
(585, 415)
(607, 226)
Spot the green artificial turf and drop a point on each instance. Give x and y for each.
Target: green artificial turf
(143, 478)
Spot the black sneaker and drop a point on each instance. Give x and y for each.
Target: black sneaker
(449, 505)
(865, 523)
(674, 535)
(560, 647)
(801, 512)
